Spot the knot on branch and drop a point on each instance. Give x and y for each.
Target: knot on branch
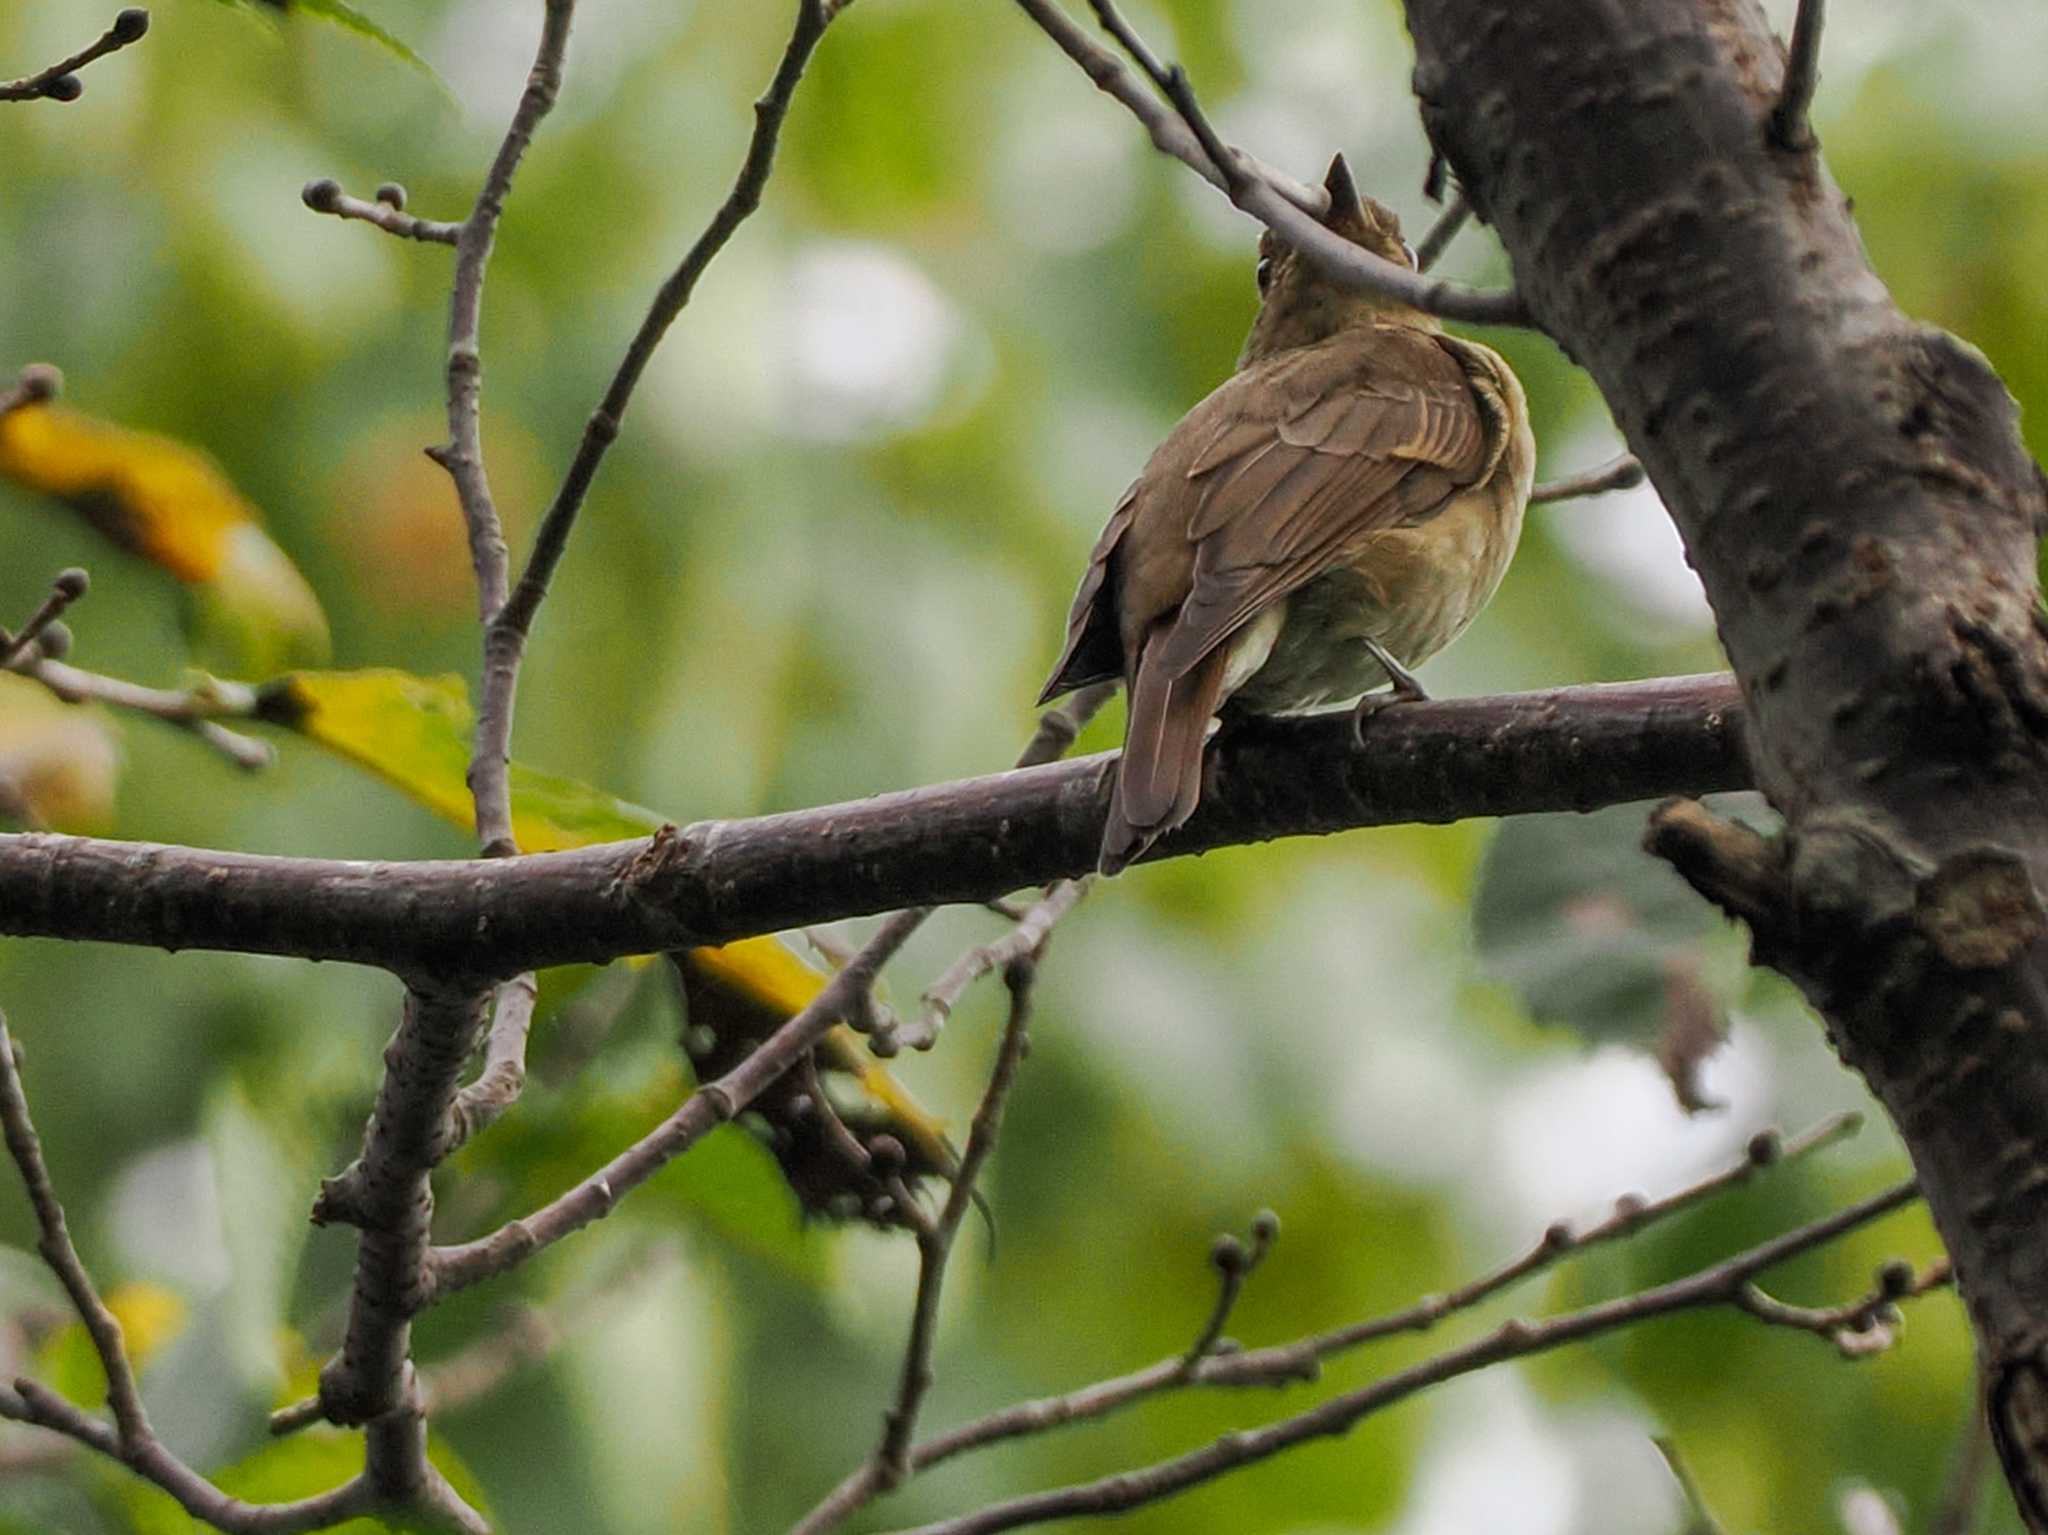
(639, 882)
(1734, 866)
(1979, 908)
(1839, 900)
(340, 1200)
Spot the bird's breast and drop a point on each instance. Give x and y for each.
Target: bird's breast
(1412, 590)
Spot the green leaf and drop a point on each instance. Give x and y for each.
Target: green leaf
(729, 1183)
(1598, 936)
(349, 19)
(262, 1170)
(302, 1466)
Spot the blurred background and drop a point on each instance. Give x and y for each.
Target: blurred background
(832, 555)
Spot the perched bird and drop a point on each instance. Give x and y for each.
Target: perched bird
(1337, 511)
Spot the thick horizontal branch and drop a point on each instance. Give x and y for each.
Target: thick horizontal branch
(1563, 749)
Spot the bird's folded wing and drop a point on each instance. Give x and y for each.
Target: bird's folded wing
(1093, 652)
(1306, 466)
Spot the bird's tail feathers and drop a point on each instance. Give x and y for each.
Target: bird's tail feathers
(1159, 777)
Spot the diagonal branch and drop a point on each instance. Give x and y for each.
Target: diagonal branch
(197, 709)
(1790, 125)
(123, 1398)
(890, 1464)
(1302, 1360)
(711, 1105)
(1562, 749)
(1717, 1285)
(130, 1440)
(1283, 206)
(1026, 938)
(1442, 232)
(935, 1241)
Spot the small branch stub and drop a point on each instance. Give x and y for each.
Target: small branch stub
(1791, 127)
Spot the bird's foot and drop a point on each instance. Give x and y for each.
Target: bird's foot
(1405, 690)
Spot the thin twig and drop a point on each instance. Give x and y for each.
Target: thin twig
(60, 81)
(1791, 126)
(386, 211)
(1442, 232)
(1169, 135)
(1173, 83)
(1283, 206)
(1235, 1263)
(1631, 1213)
(1303, 1361)
(891, 1463)
(510, 622)
(197, 710)
(1058, 728)
(936, 1244)
(871, 1016)
(462, 455)
(1860, 1327)
(1717, 1285)
(54, 1244)
(1621, 472)
(1027, 937)
(130, 1439)
(503, 1075)
(69, 585)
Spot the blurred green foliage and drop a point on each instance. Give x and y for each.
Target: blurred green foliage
(831, 555)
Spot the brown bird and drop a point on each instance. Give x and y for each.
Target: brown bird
(1337, 511)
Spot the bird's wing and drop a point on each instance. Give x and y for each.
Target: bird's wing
(1362, 434)
(1093, 651)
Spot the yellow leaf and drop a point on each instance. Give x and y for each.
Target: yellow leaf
(59, 762)
(413, 732)
(254, 613)
(150, 1316)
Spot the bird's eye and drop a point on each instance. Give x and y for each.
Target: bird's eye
(1264, 273)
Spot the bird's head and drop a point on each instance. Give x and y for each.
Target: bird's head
(1298, 306)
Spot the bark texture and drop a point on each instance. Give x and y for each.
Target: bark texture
(473, 921)
(1853, 490)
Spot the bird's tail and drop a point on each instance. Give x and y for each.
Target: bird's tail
(1159, 777)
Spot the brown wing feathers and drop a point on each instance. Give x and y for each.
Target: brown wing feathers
(1094, 652)
(1271, 481)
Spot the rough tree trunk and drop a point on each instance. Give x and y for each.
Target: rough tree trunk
(1853, 490)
